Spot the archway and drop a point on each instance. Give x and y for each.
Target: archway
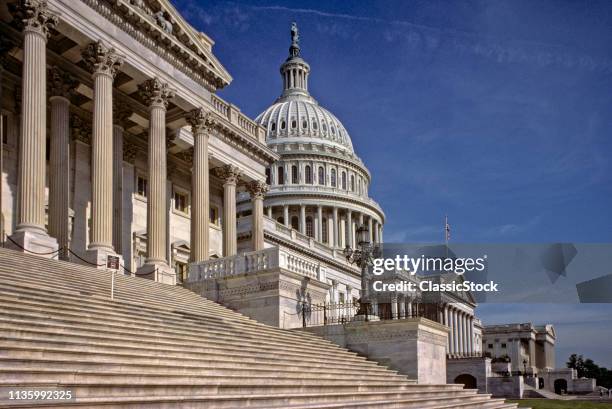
(540, 383)
(560, 385)
(468, 381)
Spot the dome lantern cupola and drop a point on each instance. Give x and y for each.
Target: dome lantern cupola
(294, 71)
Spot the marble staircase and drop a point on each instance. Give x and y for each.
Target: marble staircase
(160, 346)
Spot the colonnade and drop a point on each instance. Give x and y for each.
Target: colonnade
(106, 155)
(341, 223)
(461, 336)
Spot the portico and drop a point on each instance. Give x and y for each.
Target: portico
(137, 138)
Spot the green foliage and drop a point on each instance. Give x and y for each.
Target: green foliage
(586, 368)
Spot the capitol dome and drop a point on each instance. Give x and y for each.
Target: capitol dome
(319, 186)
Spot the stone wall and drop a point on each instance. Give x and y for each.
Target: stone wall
(506, 387)
(415, 347)
(477, 367)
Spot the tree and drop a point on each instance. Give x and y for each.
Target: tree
(587, 368)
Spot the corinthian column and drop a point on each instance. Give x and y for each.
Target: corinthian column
(104, 63)
(157, 94)
(201, 126)
(258, 190)
(31, 234)
(61, 86)
(121, 113)
(230, 175)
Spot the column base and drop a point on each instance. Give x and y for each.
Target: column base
(37, 243)
(104, 259)
(157, 271)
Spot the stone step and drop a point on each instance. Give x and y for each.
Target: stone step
(187, 314)
(120, 367)
(130, 349)
(201, 387)
(32, 329)
(359, 400)
(118, 313)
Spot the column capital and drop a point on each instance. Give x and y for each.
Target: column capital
(102, 59)
(156, 93)
(201, 121)
(35, 17)
(257, 189)
(228, 173)
(61, 84)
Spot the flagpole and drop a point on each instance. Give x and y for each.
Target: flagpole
(446, 230)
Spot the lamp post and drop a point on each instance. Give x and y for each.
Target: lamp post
(362, 257)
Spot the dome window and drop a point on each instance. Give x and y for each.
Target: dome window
(333, 177)
(324, 128)
(308, 174)
(352, 183)
(321, 175)
(282, 125)
(273, 126)
(333, 130)
(293, 124)
(281, 175)
(309, 227)
(304, 124)
(315, 126)
(294, 174)
(344, 180)
(295, 223)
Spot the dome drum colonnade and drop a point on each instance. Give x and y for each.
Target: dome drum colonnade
(319, 186)
(38, 21)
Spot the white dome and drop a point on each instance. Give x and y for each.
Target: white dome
(300, 119)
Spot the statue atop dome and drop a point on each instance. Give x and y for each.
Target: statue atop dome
(294, 50)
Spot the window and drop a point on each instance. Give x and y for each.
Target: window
(333, 177)
(142, 186)
(344, 180)
(295, 223)
(281, 220)
(341, 298)
(304, 124)
(503, 345)
(490, 346)
(324, 128)
(352, 183)
(180, 202)
(268, 176)
(213, 215)
(273, 126)
(283, 125)
(324, 231)
(308, 174)
(315, 126)
(281, 175)
(294, 174)
(333, 130)
(309, 227)
(293, 124)
(321, 175)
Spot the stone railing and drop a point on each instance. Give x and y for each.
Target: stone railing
(237, 118)
(254, 262)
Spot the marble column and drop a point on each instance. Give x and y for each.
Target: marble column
(402, 306)
(471, 335)
(6, 46)
(449, 347)
(335, 235)
(349, 228)
(157, 95)
(61, 87)
(104, 63)
(455, 331)
(302, 219)
(202, 123)
(286, 216)
(409, 307)
(230, 176)
(380, 233)
(269, 212)
(370, 227)
(394, 308)
(121, 113)
(257, 190)
(320, 226)
(31, 233)
(375, 230)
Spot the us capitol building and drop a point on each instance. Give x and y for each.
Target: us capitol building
(118, 154)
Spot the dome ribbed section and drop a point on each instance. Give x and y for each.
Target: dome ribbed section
(298, 119)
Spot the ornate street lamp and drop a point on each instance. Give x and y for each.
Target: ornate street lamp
(362, 257)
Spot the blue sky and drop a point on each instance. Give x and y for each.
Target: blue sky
(497, 113)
